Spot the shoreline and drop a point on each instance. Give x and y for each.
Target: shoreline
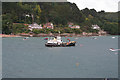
(49, 35)
(5, 35)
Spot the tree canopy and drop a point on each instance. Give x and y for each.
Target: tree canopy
(57, 13)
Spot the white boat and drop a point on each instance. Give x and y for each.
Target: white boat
(95, 38)
(113, 37)
(25, 38)
(111, 49)
(57, 42)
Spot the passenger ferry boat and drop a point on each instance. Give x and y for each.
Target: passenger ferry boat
(58, 42)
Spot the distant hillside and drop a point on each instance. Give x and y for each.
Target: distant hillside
(57, 13)
(110, 16)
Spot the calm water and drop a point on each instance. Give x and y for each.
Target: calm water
(90, 58)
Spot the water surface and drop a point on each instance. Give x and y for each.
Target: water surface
(90, 58)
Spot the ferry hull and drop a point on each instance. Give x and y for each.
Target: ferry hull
(61, 45)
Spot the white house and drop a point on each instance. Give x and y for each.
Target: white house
(27, 15)
(75, 27)
(95, 27)
(71, 25)
(102, 32)
(34, 26)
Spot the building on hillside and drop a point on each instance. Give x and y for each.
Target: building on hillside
(84, 33)
(71, 25)
(26, 24)
(75, 27)
(102, 32)
(48, 25)
(34, 26)
(95, 27)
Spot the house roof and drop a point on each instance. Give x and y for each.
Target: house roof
(34, 25)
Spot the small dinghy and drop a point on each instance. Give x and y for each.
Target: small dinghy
(25, 38)
(94, 37)
(113, 37)
(57, 42)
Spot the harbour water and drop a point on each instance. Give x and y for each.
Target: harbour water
(90, 58)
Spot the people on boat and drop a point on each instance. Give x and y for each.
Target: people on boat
(55, 38)
(68, 40)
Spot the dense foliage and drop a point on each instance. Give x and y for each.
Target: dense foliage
(57, 13)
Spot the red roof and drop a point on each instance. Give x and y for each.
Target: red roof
(26, 24)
